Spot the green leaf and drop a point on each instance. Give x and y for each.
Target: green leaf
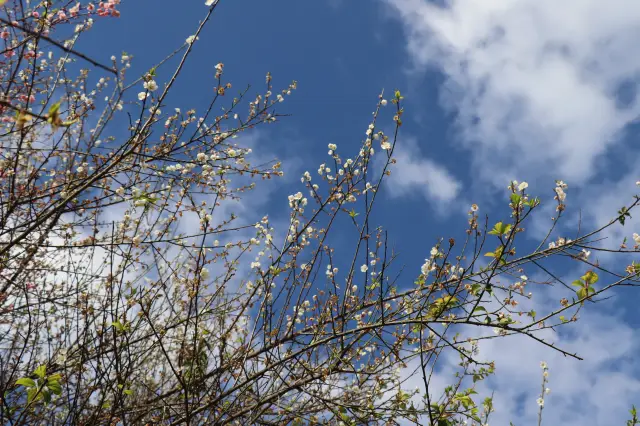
(25, 381)
(496, 229)
(497, 253)
(442, 304)
(479, 308)
(41, 371)
(53, 117)
(54, 377)
(624, 213)
(582, 293)
(32, 395)
(515, 199)
(118, 326)
(55, 108)
(578, 283)
(500, 229)
(55, 387)
(489, 289)
(590, 277)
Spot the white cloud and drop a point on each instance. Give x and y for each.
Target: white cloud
(596, 391)
(534, 82)
(415, 173)
(538, 88)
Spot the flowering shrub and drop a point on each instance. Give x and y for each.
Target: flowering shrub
(129, 294)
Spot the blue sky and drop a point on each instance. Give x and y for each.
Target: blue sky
(495, 90)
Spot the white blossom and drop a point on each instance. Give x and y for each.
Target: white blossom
(151, 85)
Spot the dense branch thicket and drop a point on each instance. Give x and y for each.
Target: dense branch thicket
(129, 294)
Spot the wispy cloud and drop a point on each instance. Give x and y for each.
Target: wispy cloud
(415, 173)
(540, 87)
(596, 391)
(545, 90)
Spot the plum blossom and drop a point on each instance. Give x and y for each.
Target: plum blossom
(151, 85)
(559, 189)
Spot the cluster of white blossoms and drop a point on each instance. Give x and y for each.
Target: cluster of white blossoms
(545, 379)
(520, 285)
(262, 230)
(560, 191)
(202, 157)
(429, 264)
(204, 273)
(205, 218)
(184, 169)
(150, 85)
(361, 316)
(331, 272)
(518, 186)
(303, 238)
(370, 130)
(297, 202)
(299, 312)
(501, 317)
(455, 271)
(384, 143)
(561, 242)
